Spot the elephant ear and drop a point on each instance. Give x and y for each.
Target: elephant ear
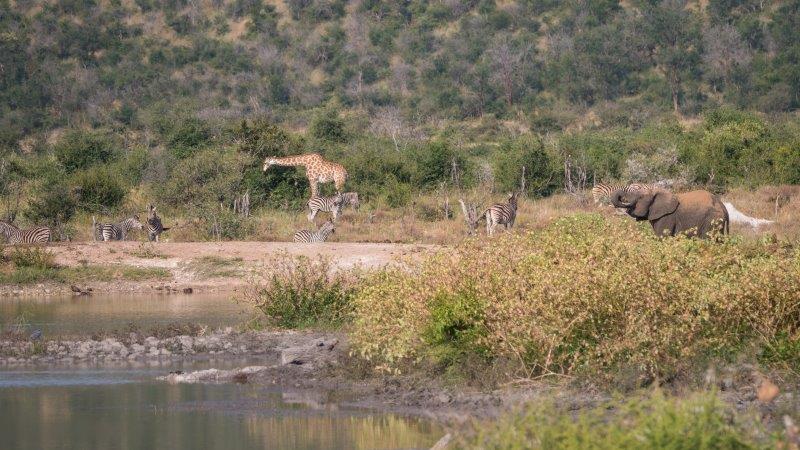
(663, 203)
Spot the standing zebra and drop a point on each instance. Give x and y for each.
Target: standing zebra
(501, 214)
(315, 236)
(332, 205)
(601, 192)
(154, 225)
(115, 231)
(14, 235)
(351, 198)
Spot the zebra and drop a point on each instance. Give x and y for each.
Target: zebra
(14, 235)
(154, 225)
(602, 191)
(115, 231)
(315, 236)
(332, 205)
(501, 214)
(351, 198)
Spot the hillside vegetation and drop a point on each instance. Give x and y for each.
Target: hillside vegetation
(107, 105)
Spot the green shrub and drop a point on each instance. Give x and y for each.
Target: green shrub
(190, 135)
(435, 162)
(700, 421)
(51, 204)
(541, 175)
(301, 292)
(98, 189)
(327, 126)
(34, 257)
(568, 300)
(81, 149)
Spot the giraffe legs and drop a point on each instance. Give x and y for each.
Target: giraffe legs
(314, 187)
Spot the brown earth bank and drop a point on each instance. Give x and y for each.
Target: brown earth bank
(203, 266)
(316, 368)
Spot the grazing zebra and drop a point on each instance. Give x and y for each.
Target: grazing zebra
(332, 205)
(351, 198)
(315, 236)
(501, 214)
(601, 192)
(35, 235)
(154, 225)
(115, 231)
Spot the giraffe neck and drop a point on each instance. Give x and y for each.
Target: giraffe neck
(298, 160)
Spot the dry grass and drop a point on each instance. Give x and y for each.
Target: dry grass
(778, 203)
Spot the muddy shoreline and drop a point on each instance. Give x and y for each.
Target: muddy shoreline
(317, 367)
(311, 364)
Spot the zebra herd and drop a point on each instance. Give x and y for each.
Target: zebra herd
(119, 231)
(497, 214)
(332, 205)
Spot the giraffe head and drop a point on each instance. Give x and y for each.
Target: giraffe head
(268, 162)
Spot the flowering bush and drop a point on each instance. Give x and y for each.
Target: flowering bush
(584, 294)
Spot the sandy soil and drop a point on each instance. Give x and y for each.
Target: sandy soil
(184, 260)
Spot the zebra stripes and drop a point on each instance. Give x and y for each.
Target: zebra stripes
(332, 205)
(115, 231)
(601, 192)
(320, 235)
(154, 225)
(501, 214)
(351, 198)
(14, 235)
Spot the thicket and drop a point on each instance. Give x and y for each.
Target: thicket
(568, 300)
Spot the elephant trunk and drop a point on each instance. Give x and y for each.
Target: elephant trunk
(616, 199)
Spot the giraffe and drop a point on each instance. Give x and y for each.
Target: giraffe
(317, 169)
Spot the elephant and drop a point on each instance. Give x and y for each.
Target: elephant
(695, 213)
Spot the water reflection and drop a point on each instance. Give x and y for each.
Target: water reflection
(79, 315)
(148, 415)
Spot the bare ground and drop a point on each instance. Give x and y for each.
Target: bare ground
(207, 266)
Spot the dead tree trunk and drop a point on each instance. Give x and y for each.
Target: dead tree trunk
(241, 204)
(470, 216)
(574, 179)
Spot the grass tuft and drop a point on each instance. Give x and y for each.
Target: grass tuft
(700, 421)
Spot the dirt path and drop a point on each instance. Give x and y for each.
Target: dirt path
(207, 266)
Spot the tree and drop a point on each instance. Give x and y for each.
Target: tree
(507, 59)
(723, 51)
(674, 40)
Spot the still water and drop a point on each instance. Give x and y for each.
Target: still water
(80, 315)
(127, 409)
(123, 406)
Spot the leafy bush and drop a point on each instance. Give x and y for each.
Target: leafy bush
(99, 189)
(700, 421)
(301, 292)
(434, 163)
(81, 149)
(190, 135)
(32, 257)
(513, 155)
(567, 300)
(50, 205)
(327, 126)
